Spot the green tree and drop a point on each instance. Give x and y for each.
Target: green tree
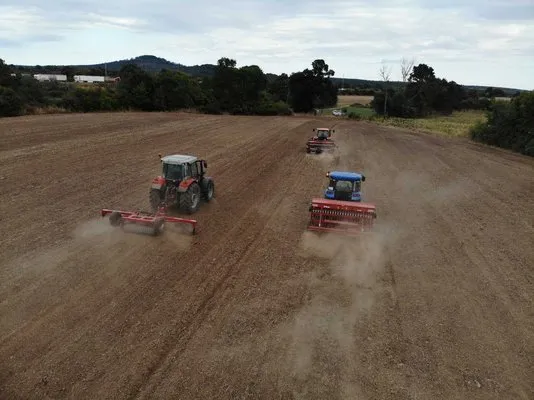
(5, 74)
(176, 90)
(510, 124)
(136, 88)
(70, 72)
(237, 90)
(10, 103)
(279, 88)
(312, 88)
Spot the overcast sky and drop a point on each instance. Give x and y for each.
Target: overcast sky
(480, 42)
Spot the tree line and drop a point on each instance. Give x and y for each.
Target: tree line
(424, 94)
(243, 90)
(509, 124)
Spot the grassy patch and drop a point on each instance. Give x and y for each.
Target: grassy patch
(363, 112)
(343, 101)
(455, 125)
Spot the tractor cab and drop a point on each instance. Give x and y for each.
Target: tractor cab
(178, 167)
(323, 133)
(344, 186)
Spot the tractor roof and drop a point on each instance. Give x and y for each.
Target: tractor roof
(178, 159)
(345, 176)
(323, 129)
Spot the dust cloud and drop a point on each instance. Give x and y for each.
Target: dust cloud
(343, 288)
(95, 238)
(99, 232)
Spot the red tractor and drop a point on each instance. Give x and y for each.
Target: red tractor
(322, 141)
(183, 183)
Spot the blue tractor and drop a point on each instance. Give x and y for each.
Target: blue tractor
(344, 186)
(342, 209)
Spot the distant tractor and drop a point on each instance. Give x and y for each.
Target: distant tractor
(321, 141)
(342, 209)
(183, 183)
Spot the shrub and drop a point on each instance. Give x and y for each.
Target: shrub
(10, 103)
(355, 116)
(510, 125)
(277, 108)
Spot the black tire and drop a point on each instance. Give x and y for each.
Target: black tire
(159, 227)
(190, 200)
(115, 219)
(209, 191)
(155, 199)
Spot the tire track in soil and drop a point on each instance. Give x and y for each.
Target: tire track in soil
(107, 315)
(134, 299)
(446, 215)
(246, 249)
(238, 281)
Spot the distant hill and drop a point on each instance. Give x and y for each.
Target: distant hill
(149, 63)
(155, 64)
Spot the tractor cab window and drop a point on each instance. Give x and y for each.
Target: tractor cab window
(173, 171)
(322, 134)
(357, 186)
(343, 186)
(194, 169)
(187, 170)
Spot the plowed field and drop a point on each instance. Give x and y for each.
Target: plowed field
(437, 303)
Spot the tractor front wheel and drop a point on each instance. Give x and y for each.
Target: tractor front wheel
(191, 199)
(209, 191)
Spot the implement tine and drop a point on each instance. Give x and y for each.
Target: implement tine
(144, 220)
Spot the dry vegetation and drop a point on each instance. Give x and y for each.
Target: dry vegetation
(348, 100)
(455, 125)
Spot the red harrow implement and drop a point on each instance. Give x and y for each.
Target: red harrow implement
(341, 216)
(318, 145)
(321, 141)
(145, 222)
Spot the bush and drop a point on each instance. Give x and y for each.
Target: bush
(277, 108)
(10, 103)
(355, 116)
(212, 107)
(90, 99)
(510, 125)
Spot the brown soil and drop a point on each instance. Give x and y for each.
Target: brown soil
(437, 303)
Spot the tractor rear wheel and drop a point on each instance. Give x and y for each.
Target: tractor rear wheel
(191, 198)
(155, 199)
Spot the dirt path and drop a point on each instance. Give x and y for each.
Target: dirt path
(436, 304)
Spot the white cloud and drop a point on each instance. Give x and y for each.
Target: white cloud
(470, 43)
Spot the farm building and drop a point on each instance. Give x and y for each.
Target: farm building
(50, 77)
(88, 78)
